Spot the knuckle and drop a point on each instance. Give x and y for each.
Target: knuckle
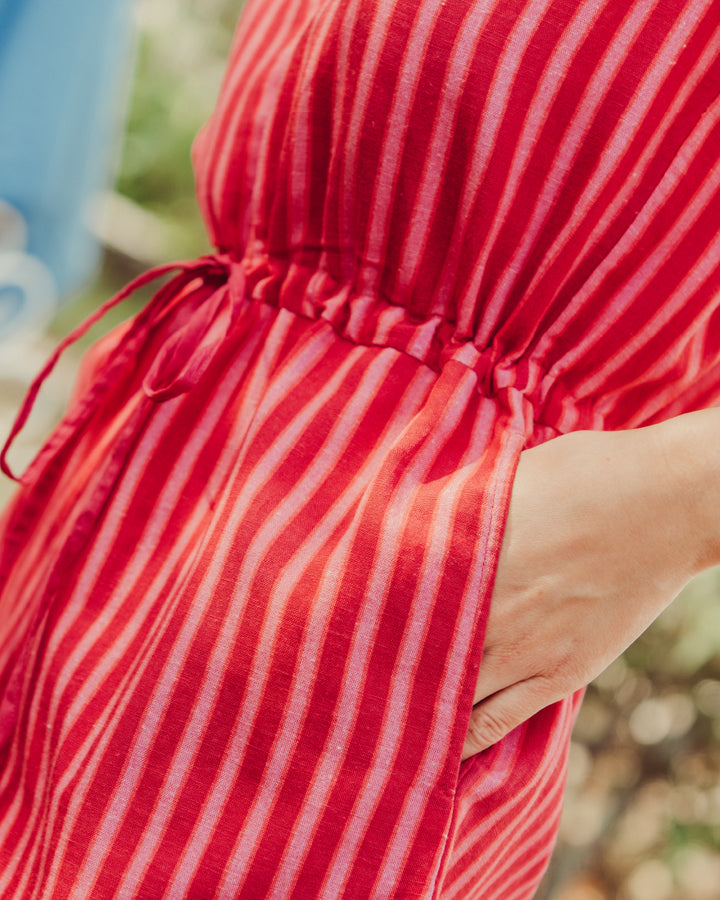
(487, 728)
(572, 672)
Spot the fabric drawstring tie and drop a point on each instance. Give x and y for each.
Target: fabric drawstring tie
(208, 291)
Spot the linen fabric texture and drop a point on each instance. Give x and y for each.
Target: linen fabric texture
(244, 585)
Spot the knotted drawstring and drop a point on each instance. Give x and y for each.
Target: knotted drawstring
(185, 356)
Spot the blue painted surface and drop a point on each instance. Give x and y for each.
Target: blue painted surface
(62, 64)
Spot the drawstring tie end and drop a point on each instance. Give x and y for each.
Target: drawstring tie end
(186, 354)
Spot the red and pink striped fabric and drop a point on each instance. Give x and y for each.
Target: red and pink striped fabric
(244, 585)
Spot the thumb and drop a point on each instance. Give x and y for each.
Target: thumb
(499, 714)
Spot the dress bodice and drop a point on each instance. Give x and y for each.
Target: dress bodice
(548, 217)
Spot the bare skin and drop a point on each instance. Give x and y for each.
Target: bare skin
(604, 530)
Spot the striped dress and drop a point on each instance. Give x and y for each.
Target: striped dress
(243, 587)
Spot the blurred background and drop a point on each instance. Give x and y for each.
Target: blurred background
(100, 103)
(108, 141)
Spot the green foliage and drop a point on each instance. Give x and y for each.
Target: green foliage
(180, 62)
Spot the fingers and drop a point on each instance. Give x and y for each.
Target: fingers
(497, 674)
(499, 714)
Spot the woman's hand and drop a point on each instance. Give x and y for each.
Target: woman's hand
(603, 531)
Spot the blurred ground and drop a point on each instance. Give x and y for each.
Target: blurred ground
(642, 815)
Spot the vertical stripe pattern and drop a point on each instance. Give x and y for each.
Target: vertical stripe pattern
(244, 586)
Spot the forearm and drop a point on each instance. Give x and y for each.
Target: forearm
(687, 461)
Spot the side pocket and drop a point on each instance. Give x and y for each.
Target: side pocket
(491, 504)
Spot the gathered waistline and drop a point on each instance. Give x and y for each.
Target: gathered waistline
(215, 287)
